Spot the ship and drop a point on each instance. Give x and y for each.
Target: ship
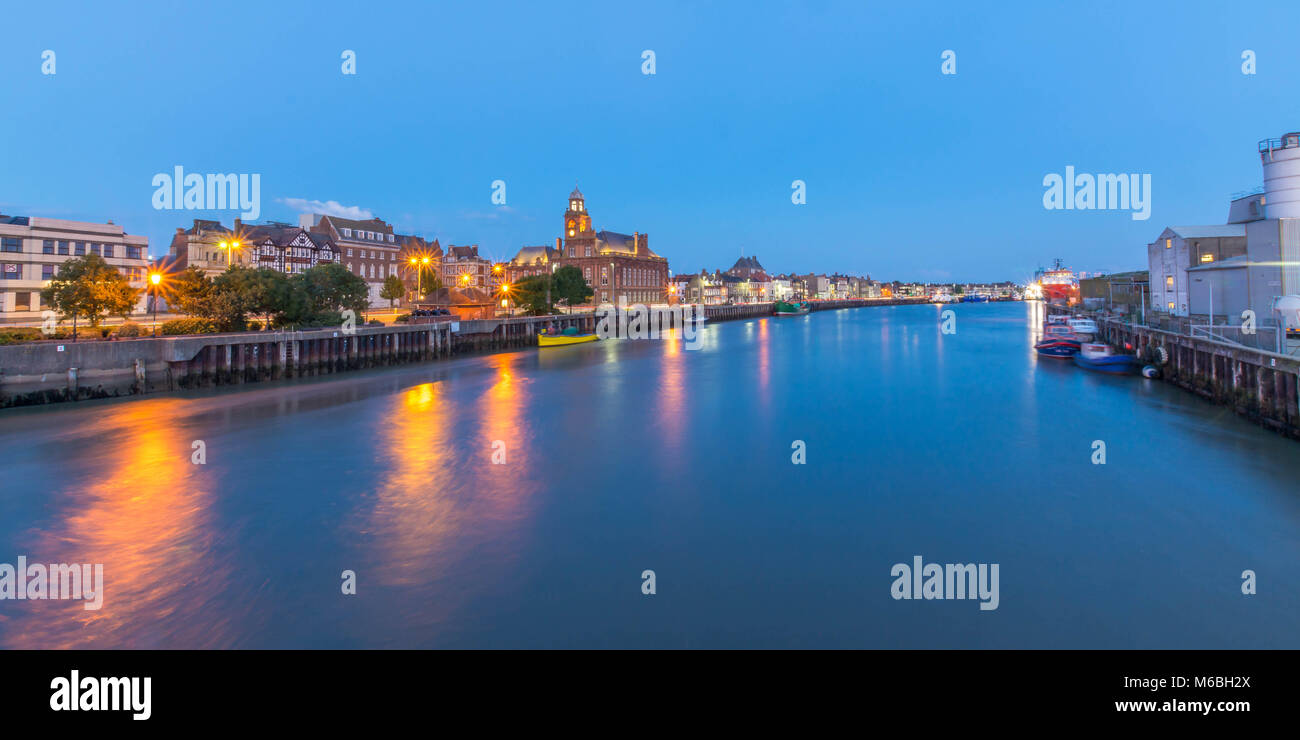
(1058, 285)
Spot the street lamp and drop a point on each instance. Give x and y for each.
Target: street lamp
(155, 279)
(230, 248)
(505, 296)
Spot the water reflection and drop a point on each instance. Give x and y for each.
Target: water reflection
(144, 512)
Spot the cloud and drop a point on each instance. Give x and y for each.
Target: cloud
(328, 208)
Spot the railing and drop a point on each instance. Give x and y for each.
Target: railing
(1288, 141)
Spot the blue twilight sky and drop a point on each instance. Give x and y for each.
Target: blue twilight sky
(910, 174)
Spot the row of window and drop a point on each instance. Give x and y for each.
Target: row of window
(374, 236)
(71, 248)
(392, 270)
(14, 271)
(372, 255)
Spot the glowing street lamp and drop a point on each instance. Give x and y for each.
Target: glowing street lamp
(230, 247)
(155, 279)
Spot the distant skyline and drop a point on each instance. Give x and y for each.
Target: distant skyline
(910, 174)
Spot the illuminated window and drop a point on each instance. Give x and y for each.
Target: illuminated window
(1169, 281)
(1171, 305)
(1207, 258)
(1169, 243)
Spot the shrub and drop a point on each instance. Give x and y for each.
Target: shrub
(128, 329)
(403, 319)
(17, 334)
(187, 326)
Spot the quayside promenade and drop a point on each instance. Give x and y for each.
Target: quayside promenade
(56, 371)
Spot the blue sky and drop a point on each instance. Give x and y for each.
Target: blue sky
(910, 174)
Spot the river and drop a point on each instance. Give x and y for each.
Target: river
(515, 500)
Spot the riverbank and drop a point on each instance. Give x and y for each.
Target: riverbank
(1259, 385)
(57, 371)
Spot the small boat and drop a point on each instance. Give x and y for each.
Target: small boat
(1100, 357)
(975, 298)
(782, 308)
(1058, 341)
(1055, 319)
(1085, 328)
(568, 336)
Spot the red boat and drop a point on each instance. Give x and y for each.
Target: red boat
(1058, 341)
(1059, 284)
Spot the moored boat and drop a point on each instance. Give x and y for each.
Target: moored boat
(1058, 341)
(1085, 328)
(568, 336)
(784, 308)
(1100, 357)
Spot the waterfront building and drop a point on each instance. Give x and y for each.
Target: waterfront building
(207, 245)
(1181, 248)
(618, 267)
(286, 248)
(782, 288)
(1247, 264)
(748, 267)
(462, 267)
(368, 248)
(530, 261)
(32, 249)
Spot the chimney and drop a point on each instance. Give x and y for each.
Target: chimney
(557, 243)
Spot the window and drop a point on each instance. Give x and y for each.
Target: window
(391, 239)
(1171, 305)
(94, 248)
(11, 271)
(47, 246)
(587, 251)
(347, 233)
(11, 244)
(1168, 244)
(1169, 281)
(22, 301)
(108, 250)
(79, 249)
(63, 247)
(1207, 258)
(349, 252)
(47, 272)
(133, 253)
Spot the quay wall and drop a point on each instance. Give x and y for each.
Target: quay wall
(51, 371)
(1259, 385)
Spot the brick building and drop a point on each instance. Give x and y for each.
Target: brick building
(618, 267)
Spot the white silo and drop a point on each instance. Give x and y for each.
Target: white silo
(1281, 160)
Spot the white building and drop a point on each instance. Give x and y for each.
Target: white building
(1243, 265)
(33, 248)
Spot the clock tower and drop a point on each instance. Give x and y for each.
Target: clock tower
(579, 236)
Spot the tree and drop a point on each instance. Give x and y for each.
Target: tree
(392, 289)
(571, 287)
(243, 290)
(530, 294)
(191, 292)
(318, 294)
(91, 288)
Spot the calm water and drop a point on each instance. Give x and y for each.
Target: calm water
(623, 456)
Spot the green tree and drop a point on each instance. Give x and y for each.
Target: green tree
(191, 292)
(530, 294)
(90, 288)
(571, 287)
(318, 294)
(392, 289)
(244, 290)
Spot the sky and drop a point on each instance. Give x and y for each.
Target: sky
(909, 174)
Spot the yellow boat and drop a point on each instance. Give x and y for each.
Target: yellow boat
(556, 340)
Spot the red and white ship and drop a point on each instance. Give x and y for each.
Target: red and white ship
(1058, 285)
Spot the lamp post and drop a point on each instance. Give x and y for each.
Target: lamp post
(155, 279)
(230, 248)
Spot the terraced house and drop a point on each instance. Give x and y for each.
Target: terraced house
(33, 248)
